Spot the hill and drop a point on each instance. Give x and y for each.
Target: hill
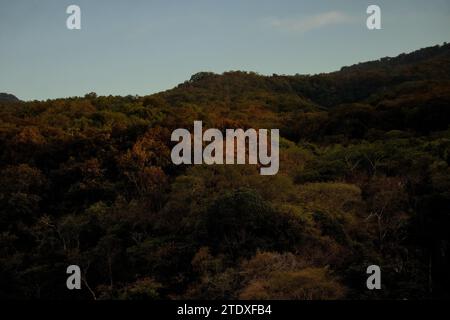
(356, 83)
(364, 179)
(6, 97)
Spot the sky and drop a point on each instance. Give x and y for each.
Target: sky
(145, 46)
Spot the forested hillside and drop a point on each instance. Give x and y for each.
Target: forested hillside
(364, 179)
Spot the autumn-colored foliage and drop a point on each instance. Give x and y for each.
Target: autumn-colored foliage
(364, 179)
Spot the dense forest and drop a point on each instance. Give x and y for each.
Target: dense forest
(364, 179)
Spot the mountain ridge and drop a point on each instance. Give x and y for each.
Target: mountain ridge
(334, 88)
(7, 97)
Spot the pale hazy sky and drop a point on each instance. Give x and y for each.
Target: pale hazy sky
(141, 47)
